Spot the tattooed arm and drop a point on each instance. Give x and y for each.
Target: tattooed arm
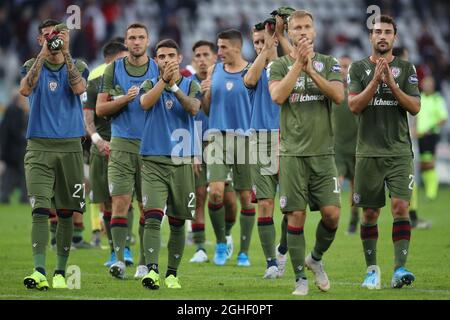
(76, 81)
(31, 78)
(190, 104)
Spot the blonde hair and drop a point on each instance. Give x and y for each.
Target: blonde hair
(300, 14)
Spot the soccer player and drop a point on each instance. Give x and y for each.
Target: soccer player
(304, 84)
(265, 120)
(205, 56)
(171, 102)
(53, 82)
(228, 106)
(416, 222)
(122, 79)
(430, 120)
(345, 128)
(382, 90)
(99, 129)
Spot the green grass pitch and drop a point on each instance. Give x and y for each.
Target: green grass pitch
(429, 260)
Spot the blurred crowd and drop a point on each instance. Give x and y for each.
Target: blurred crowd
(422, 25)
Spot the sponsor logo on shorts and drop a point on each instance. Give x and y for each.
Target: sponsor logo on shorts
(83, 97)
(32, 201)
(356, 198)
(111, 187)
(82, 204)
(254, 188)
(91, 195)
(144, 200)
(283, 202)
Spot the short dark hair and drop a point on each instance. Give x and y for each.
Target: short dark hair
(201, 43)
(112, 48)
(167, 43)
(230, 34)
(137, 25)
(47, 23)
(384, 19)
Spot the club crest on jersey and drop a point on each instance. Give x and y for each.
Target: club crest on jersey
(169, 104)
(318, 66)
(395, 72)
(52, 85)
(283, 202)
(229, 85)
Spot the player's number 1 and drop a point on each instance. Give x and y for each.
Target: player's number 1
(337, 188)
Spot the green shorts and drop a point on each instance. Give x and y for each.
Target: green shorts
(308, 180)
(55, 178)
(372, 174)
(164, 183)
(202, 181)
(124, 168)
(224, 158)
(265, 171)
(345, 164)
(98, 177)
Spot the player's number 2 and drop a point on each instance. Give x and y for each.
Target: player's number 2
(191, 200)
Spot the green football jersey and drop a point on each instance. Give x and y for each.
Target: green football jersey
(305, 119)
(345, 128)
(383, 126)
(102, 124)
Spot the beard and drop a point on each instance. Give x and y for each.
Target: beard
(137, 54)
(382, 51)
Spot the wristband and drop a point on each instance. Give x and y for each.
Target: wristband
(174, 88)
(95, 137)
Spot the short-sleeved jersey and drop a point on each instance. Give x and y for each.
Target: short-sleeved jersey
(230, 104)
(383, 126)
(128, 123)
(345, 128)
(265, 113)
(160, 136)
(305, 120)
(94, 85)
(433, 111)
(55, 111)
